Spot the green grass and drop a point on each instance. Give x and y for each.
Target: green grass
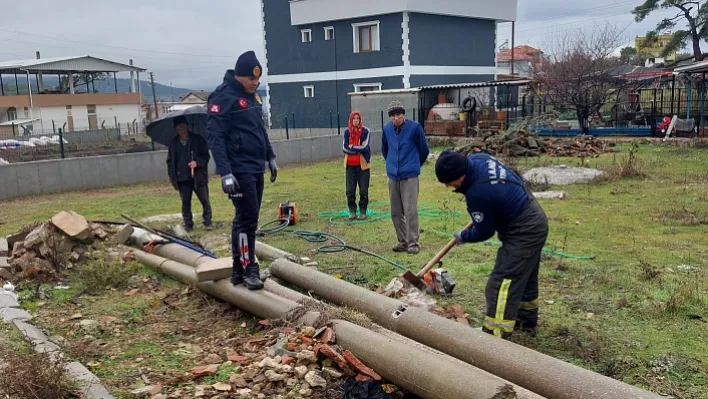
(631, 226)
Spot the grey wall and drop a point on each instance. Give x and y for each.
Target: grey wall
(454, 41)
(373, 104)
(286, 98)
(45, 177)
(288, 54)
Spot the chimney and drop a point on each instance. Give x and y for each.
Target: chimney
(132, 78)
(40, 81)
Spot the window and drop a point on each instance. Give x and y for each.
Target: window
(360, 87)
(306, 35)
(26, 112)
(366, 37)
(91, 109)
(329, 32)
(11, 114)
(309, 91)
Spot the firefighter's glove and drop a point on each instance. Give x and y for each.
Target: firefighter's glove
(229, 184)
(273, 170)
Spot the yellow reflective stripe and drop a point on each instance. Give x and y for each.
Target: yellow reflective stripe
(505, 325)
(498, 324)
(529, 305)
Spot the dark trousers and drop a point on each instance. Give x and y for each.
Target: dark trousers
(243, 230)
(357, 177)
(185, 192)
(512, 288)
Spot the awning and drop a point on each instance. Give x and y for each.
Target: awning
(19, 122)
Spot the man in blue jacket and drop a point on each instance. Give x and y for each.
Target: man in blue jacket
(405, 149)
(498, 201)
(239, 142)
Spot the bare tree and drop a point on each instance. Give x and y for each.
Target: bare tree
(578, 74)
(694, 12)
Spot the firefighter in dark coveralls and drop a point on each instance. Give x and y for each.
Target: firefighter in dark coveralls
(498, 200)
(239, 142)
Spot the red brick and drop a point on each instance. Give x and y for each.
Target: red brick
(337, 358)
(327, 336)
(205, 370)
(291, 346)
(307, 340)
(362, 378)
(235, 358)
(287, 360)
(361, 367)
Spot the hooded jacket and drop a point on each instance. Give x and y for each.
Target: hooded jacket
(495, 197)
(357, 143)
(235, 129)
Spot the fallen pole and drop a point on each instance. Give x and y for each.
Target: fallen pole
(421, 372)
(532, 370)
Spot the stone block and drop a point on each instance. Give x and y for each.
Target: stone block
(32, 333)
(72, 224)
(4, 247)
(7, 301)
(215, 270)
(36, 237)
(11, 314)
(123, 234)
(91, 387)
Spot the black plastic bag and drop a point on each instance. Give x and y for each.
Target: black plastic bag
(364, 390)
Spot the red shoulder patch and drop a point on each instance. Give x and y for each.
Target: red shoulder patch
(242, 102)
(215, 108)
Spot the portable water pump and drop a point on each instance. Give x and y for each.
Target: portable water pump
(288, 211)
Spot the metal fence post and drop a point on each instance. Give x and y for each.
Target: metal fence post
(287, 131)
(54, 128)
(415, 118)
(331, 122)
(382, 121)
(13, 130)
(339, 124)
(61, 143)
(293, 120)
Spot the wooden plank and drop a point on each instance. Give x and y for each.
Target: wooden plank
(217, 269)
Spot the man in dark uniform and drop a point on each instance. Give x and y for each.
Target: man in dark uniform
(239, 141)
(498, 200)
(187, 166)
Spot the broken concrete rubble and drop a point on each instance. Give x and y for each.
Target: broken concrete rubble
(4, 247)
(72, 224)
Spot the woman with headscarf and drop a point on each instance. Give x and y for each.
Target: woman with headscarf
(357, 161)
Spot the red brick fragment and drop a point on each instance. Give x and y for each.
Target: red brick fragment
(205, 370)
(337, 358)
(327, 336)
(361, 367)
(287, 360)
(362, 378)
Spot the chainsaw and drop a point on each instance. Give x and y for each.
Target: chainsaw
(439, 282)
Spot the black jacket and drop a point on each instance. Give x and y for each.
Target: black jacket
(235, 129)
(197, 147)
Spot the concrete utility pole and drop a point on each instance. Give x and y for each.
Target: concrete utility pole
(154, 97)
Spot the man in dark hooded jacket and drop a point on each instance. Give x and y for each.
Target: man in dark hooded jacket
(498, 201)
(239, 141)
(187, 166)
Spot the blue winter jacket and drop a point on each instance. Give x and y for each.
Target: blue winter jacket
(495, 197)
(235, 129)
(364, 147)
(405, 149)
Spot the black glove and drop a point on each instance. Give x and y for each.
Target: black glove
(229, 184)
(273, 170)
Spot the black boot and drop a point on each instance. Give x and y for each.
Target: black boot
(237, 273)
(252, 277)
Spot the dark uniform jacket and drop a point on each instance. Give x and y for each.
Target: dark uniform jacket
(495, 197)
(235, 129)
(197, 150)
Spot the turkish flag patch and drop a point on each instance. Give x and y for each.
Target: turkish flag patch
(215, 108)
(242, 102)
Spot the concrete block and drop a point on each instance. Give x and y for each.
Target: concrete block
(217, 269)
(305, 146)
(109, 170)
(4, 247)
(72, 224)
(70, 172)
(28, 179)
(8, 182)
(49, 177)
(335, 146)
(11, 314)
(32, 333)
(123, 234)
(90, 173)
(91, 387)
(7, 301)
(321, 149)
(375, 142)
(127, 170)
(285, 153)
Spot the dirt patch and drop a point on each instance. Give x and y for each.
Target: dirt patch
(561, 175)
(684, 216)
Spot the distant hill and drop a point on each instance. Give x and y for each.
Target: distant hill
(162, 92)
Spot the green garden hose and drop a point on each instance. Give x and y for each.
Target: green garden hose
(425, 209)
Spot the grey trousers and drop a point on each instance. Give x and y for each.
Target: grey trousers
(404, 210)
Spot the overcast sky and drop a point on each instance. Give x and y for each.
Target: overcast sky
(190, 43)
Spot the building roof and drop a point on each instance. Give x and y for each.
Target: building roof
(696, 67)
(494, 83)
(84, 63)
(521, 53)
(200, 94)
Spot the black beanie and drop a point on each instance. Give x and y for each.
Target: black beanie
(450, 166)
(248, 65)
(180, 119)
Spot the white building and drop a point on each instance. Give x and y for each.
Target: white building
(69, 106)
